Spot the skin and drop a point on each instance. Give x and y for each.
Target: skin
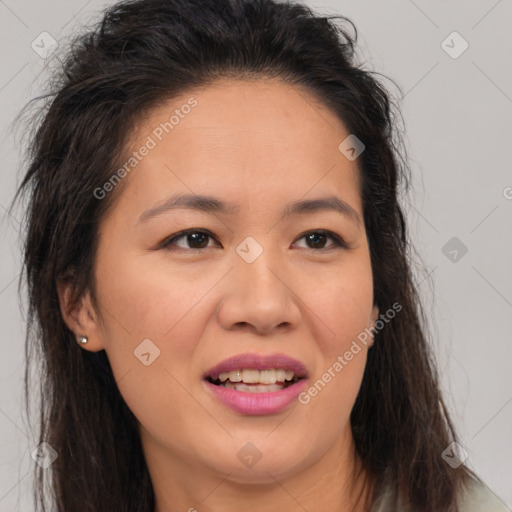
(260, 145)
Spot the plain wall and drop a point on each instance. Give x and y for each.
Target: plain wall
(458, 117)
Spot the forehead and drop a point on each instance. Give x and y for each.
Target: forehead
(276, 111)
(242, 139)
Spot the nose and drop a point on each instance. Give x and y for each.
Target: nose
(259, 298)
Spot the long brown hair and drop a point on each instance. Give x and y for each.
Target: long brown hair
(147, 51)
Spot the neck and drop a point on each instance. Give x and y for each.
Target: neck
(336, 481)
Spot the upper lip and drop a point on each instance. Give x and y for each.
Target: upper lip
(257, 362)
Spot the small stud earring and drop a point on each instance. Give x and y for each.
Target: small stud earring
(83, 339)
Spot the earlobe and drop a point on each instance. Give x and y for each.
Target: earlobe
(80, 316)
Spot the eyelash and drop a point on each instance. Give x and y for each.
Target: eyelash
(339, 243)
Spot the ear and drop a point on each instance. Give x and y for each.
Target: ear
(80, 315)
(374, 317)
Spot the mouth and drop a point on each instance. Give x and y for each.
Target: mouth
(256, 373)
(252, 380)
(256, 384)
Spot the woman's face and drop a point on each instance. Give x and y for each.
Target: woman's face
(257, 279)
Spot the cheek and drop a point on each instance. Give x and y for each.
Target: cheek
(153, 300)
(146, 302)
(341, 306)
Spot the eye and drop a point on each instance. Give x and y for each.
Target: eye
(198, 239)
(317, 239)
(195, 238)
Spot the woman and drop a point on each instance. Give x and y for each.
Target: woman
(218, 275)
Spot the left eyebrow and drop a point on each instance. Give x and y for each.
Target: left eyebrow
(331, 203)
(210, 204)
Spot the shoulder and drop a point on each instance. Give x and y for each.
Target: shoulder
(474, 496)
(477, 497)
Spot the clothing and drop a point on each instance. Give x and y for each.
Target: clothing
(476, 497)
(479, 498)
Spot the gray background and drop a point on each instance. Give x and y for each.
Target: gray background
(458, 119)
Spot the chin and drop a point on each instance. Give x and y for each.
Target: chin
(265, 465)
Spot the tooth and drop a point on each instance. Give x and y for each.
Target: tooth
(280, 375)
(235, 375)
(250, 376)
(267, 376)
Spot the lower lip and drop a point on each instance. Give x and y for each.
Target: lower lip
(257, 403)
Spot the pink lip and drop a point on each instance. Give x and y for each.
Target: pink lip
(257, 362)
(257, 403)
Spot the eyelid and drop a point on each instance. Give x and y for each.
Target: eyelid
(168, 241)
(339, 242)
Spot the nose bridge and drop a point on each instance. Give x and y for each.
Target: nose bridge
(259, 293)
(259, 279)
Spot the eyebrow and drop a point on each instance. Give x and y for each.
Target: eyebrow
(212, 205)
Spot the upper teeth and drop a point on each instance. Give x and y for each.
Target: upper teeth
(250, 376)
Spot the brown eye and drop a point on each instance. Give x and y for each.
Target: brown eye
(317, 240)
(195, 239)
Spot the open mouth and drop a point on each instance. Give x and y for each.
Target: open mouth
(250, 380)
(256, 384)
